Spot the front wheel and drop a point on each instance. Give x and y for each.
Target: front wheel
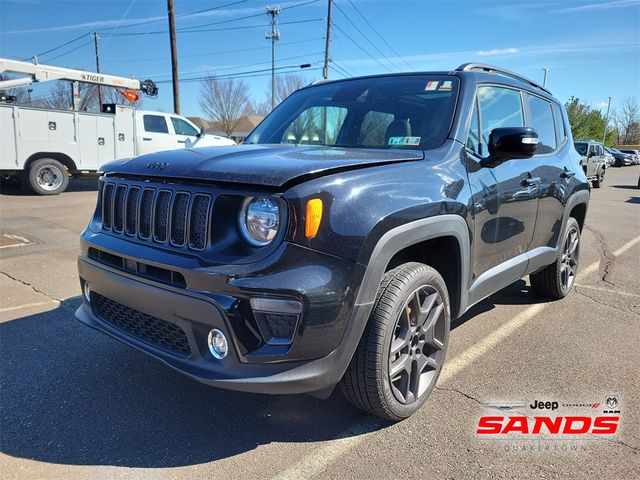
(402, 349)
(599, 180)
(557, 279)
(47, 176)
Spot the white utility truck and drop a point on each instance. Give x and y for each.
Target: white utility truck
(45, 146)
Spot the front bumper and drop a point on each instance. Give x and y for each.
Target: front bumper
(326, 335)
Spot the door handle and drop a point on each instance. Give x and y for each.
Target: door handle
(531, 182)
(146, 139)
(182, 141)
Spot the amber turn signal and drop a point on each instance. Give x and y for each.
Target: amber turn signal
(314, 216)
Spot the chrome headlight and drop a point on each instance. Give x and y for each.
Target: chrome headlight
(259, 220)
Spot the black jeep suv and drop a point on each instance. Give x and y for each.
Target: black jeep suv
(337, 245)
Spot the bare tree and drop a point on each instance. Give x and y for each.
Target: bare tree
(285, 85)
(628, 122)
(257, 108)
(224, 101)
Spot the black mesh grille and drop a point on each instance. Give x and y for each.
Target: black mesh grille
(199, 216)
(132, 211)
(146, 327)
(167, 215)
(179, 218)
(107, 200)
(118, 208)
(162, 216)
(146, 209)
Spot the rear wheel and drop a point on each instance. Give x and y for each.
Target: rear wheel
(47, 176)
(400, 355)
(557, 279)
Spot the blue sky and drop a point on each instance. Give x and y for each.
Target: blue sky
(591, 47)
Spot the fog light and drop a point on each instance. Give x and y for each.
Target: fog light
(86, 291)
(217, 344)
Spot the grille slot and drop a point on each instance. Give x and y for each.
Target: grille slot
(179, 218)
(146, 327)
(131, 215)
(146, 213)
(118, 208)
(199, 222)
(161, 216)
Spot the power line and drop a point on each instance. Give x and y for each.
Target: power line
(380, 36)
(365, 37)
(72, 50)
(342, 67)
(264, 72)
(243, 27)
(225, 52)
(60, 46)
(362, 48)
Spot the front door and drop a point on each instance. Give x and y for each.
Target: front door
(505, 194)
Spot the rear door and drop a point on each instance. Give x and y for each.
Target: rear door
(505, 194)
(154, 134)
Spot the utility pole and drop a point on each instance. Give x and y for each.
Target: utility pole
(606, 122)
(174, 58)
(325, 70)
(274, 36)
(95, 43)
(544, 80)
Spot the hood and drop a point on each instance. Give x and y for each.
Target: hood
(268, 165)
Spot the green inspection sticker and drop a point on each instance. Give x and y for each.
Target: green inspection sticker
(401, 141)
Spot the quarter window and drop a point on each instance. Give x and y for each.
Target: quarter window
(561, 133)
(473, 140)
(155, 123)
(499, 107)
(183, 128)
(541, 118)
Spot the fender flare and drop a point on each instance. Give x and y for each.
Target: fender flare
(409, 234)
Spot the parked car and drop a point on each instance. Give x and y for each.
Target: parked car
(593, 160)
(609, 159)
(635, 155)
(290, 268)
(621, 159)
(44, 146)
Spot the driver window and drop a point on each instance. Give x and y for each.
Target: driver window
(499, 107)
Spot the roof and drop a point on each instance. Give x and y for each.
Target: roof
(245, 125)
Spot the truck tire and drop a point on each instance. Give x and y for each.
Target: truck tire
(47, 176)
(599, 180)
(401, 352)
(557, 279)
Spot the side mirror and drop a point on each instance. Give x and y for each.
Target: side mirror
(200, 133)
(512, 142)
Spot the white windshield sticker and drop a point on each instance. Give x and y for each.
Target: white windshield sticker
(431, 85)
(400, 141)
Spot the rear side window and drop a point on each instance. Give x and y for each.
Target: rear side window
(499, 107)
(581, 148)
(541, 118)
(155, 123)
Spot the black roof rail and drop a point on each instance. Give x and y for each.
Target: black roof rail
(467, 67)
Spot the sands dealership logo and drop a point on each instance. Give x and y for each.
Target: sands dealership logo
(542, 419)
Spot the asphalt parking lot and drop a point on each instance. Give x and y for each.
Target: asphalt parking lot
(77, 404)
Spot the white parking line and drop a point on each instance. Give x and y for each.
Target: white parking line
(318, 460)
(27, 305)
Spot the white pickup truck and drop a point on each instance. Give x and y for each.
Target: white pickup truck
(45, 146)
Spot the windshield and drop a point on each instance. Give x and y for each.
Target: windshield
(410, 111)
(581, 148)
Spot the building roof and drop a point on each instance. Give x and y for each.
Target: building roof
(245, 125)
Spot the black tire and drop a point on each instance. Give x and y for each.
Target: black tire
(47, 176)
(557, 279)
(599, 180)
(411, 288)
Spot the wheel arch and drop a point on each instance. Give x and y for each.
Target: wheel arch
(441, 242)
(60, 157)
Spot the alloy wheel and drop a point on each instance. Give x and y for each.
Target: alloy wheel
(569, 259)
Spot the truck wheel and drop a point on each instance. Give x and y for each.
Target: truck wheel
(47, 176)
(597, 182)
(400, 354)
(556, 280)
